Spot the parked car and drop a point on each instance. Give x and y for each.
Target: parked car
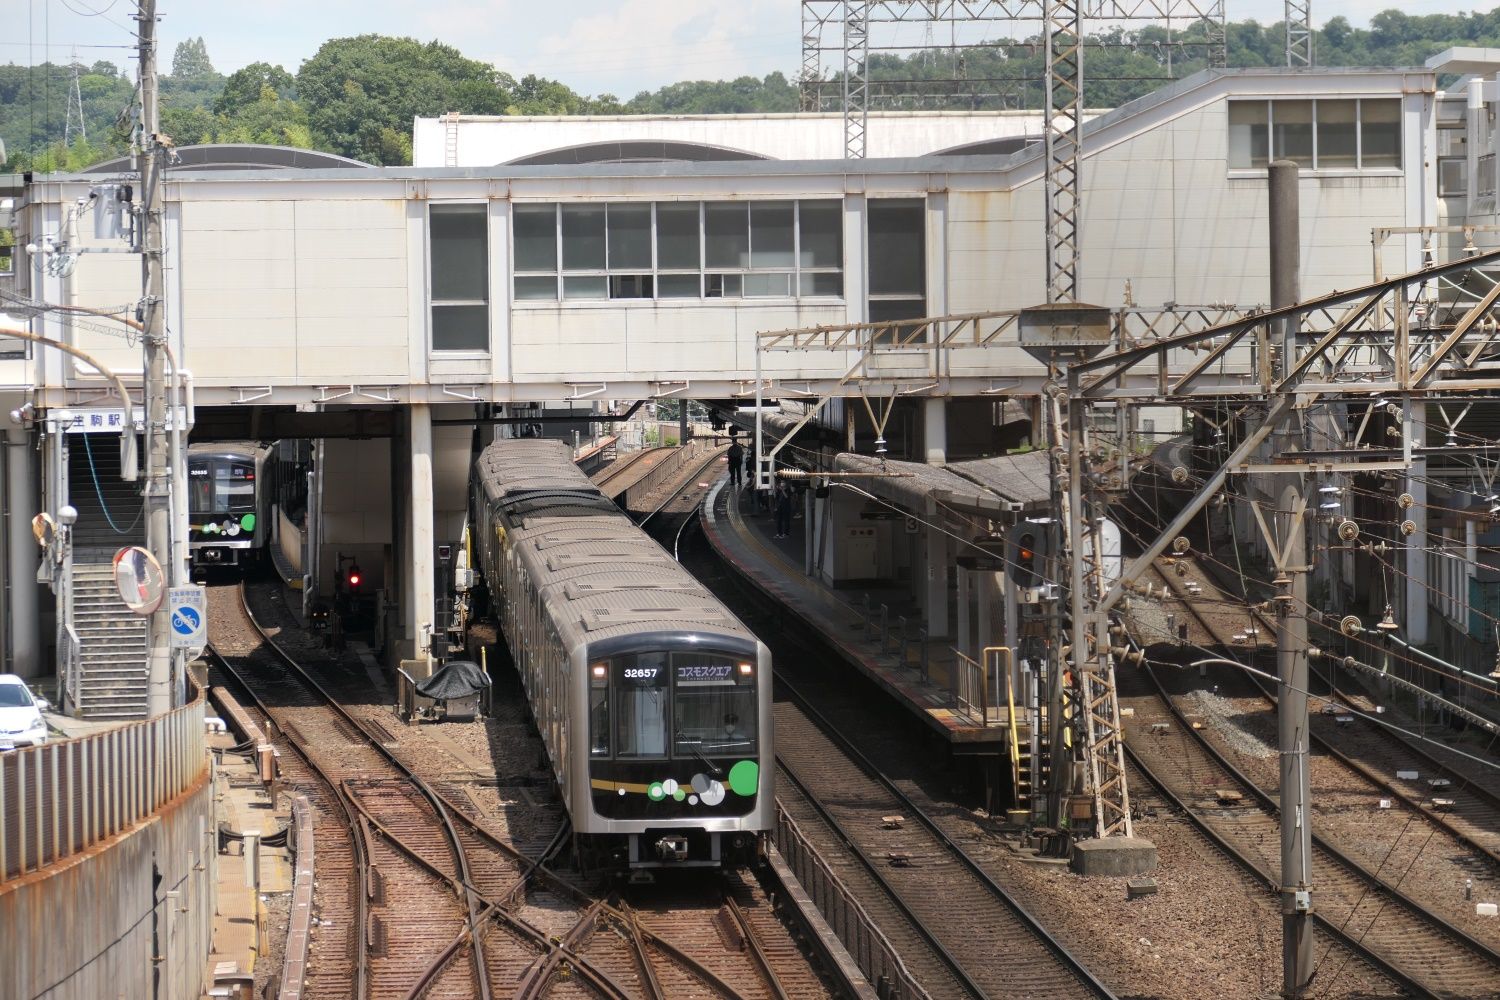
(21, 722)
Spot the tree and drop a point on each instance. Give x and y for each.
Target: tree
(190, 61)
(355, 89)
(245, 87)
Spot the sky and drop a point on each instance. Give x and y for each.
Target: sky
(594, 46)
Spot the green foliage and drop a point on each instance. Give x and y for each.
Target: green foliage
(190, 62)
(745, 95)
(363, 92)
(245, 87)
(357, 96)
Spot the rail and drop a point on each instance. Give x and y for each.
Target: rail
(665, 470)
(69, 664)
(976, 687)
(593, 457)
(871, 950)
(62, 798)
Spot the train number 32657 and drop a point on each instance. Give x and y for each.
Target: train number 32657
(641, 673)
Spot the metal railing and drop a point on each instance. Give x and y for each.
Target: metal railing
(666, 469)
(871, 950)
(906, 639)
(70, 664)
(977, 685)
(64, 797)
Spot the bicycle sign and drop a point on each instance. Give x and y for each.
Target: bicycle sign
(189, 607)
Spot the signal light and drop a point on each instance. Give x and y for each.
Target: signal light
(354, 578)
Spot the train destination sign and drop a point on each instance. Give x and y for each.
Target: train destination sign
(705, 673)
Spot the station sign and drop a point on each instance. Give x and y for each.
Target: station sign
(111, 419)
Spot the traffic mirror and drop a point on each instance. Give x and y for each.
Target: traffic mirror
(139, 579)
(43, 529)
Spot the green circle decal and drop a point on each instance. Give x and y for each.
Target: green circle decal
(744, 777)
(248, 522)
(656, 792)
(679, 795)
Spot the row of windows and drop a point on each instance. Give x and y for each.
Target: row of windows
(1334, 134)
(679, 250)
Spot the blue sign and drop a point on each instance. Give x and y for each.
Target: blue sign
(189, 617)
(185, 620)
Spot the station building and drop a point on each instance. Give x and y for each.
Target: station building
(577, 262)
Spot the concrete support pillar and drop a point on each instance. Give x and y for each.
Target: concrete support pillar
(939, 553)
(1415, 555)
(965, 629)
(809, 532)
(935, 431)
(418, 590)
(24, 653)
(990, 587)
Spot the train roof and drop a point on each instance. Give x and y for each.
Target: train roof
(601, 574)
(236, 449)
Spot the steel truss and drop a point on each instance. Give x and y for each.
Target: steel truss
(844, 28)
(1299, 33)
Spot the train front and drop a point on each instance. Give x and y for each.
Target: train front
(223, 514)
(680, 756)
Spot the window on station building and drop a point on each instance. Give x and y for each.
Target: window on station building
(459, 277)
(898, 263)
(679, 250)
(1331, 134)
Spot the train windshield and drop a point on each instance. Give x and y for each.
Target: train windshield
(707, 701)
(221, 486)
(713, 706)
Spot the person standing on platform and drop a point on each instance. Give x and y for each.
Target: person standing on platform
(736, 456)
(783, 511)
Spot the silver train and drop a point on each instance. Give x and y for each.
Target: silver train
(653, 700)
(229, 503)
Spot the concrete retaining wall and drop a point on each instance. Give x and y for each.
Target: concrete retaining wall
(87, 927)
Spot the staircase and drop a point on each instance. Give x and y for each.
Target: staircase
(113, 650)
(109, 509)
(1031, 767)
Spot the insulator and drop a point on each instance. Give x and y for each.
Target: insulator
(1406, 501)
(1348, 530)
(1408, 528)
(1181, 545)
(1351, 625)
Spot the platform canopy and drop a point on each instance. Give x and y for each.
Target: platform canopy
(986, 486)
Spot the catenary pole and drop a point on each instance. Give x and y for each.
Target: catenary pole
(150, 161)
(1291, 619)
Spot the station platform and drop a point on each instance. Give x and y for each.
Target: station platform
(248, 925)
(744, 536)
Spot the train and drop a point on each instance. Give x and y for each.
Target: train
(652, 699)
(229, 504)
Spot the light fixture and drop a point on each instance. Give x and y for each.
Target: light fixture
(67, 515)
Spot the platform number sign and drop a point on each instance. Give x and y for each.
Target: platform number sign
(189, 617)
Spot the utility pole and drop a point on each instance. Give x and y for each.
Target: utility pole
(1291, 605)
(150, 161)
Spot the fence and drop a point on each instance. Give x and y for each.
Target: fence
(872, 952)
(64, 797)
(665, 470)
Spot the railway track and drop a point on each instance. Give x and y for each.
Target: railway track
(969, 931)
(1356, 908)
(437, 906)
(1359, 762)
(615, 476)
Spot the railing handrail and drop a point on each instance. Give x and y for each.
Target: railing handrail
(799, 854)
(63, 797)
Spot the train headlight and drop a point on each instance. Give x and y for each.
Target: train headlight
(747, 669)
(599, 671)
